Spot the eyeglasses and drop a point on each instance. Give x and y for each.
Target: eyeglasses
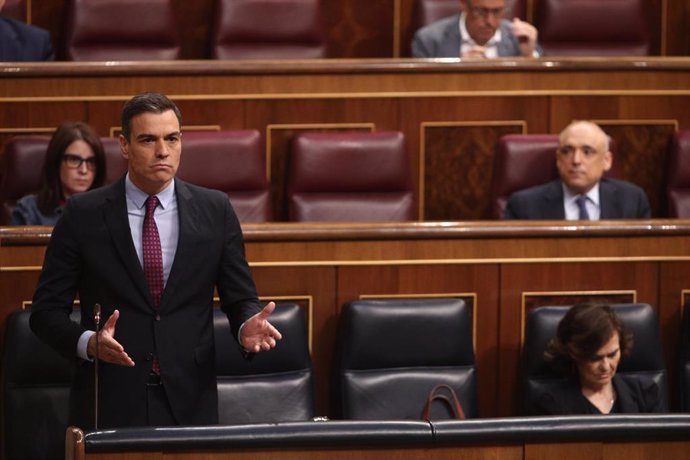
(75, 162)
(484, 13)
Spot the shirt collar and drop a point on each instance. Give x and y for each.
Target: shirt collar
(468, 40)
(138, 197)
(592, 195)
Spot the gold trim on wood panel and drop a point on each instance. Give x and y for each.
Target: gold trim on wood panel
(663, 28)
(27, 304)
(472, 295)
(21, 268)
(540, 260)
(439, 124)
(526, 294)
(310, 306)
(28, 12)
(363, 95)
(285, 126)
(640, 122)
(683, 293)
(396, 28)
(19, 131)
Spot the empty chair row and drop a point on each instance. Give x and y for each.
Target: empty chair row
(241, 29)
(569, 28)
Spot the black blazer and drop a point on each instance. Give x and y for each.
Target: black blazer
(633, 396)
(91, 252)
(618, 199)
(23, 42)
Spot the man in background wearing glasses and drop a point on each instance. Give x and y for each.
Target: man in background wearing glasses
(479, 31)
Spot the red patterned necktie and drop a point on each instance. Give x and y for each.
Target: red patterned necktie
(153, 260)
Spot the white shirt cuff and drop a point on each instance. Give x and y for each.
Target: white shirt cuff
(82, 345)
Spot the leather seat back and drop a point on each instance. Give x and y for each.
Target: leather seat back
(391, 353)
(356, 176)
(270, 387)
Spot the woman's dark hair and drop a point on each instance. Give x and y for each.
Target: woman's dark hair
(50, 195)
(584, 329)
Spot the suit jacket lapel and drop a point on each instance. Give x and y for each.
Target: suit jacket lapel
(608, 200)
(117, 222)
(186, 249)
(553, 201)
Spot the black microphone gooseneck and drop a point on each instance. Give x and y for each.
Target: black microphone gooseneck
(97, 320)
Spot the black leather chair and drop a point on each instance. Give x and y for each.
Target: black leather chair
(684, 362)
(645, 362)
(35, 393)
(391, 353)
(270, 387)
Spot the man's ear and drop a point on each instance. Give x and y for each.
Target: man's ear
(608, 160)
(124, 146)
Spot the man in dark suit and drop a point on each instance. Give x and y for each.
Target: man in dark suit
(478, 32)
(581, 192)
(23, 42)
(156, 347)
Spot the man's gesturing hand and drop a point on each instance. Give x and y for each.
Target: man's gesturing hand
(109, 349)
(258, 334)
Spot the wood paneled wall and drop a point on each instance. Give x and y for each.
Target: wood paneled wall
(503, 268)
(450, 113)
(363, 29)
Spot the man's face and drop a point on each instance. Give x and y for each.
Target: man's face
(483, 17)
(153, 150)
(582, 157)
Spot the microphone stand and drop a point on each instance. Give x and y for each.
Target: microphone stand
(97, 320)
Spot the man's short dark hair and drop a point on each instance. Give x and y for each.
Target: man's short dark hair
(146, 103)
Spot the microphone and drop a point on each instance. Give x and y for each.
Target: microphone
(97, 320)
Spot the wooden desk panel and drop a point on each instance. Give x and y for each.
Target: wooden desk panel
(503, 268)
(451, 113)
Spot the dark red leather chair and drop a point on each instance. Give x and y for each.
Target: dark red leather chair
(349, 177)
(15, 9)
(522, 161)
(268, 29)
(232, 162)
(121, 30)
(115, 163)
(678, 176)
(20, 170)
(593, 27)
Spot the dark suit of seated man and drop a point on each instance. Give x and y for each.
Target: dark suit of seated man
(23, 42)
(480, 31)
(581, 192)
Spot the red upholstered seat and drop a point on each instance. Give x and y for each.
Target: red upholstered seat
(15, 9)
(678, 176)
(115, 163)
(232, 162)
(121, 30)
(522, 161)
(268, 29)
(20, 170)
(350, 177)
(593, 27)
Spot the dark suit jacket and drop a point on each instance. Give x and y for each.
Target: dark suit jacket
(618, 200)
(442, 39)
(91, 252)
(633, 396)
(22, 42)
